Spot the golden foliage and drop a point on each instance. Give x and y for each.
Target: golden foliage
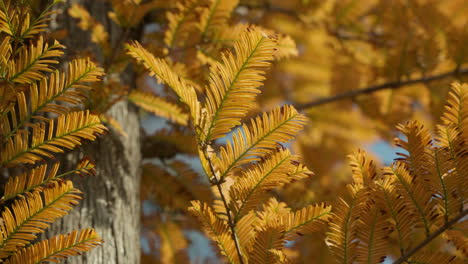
(215, 16)
(32, 214)
(216, 69)
(130, 13)
(234, 83)
(38, 120)
(217, 229)
(181, 22)
(42, 176)
(268, 239)
(415, 196)
(15, 20)
(160, 69)
(235, 221)
(173, 243)
(32, 61)
(251, 188)
(43, 97)
(66, 131)
(250, 143)
(158, 106)
(306, 220)
(57, 248)
(340, 238)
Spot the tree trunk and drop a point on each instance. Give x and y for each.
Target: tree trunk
(111, 202)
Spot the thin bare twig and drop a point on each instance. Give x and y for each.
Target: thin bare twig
(431, 237)
(371, 89)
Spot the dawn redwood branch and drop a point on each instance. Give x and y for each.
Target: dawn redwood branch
(431, 237)
(375, 88)
(231, 223)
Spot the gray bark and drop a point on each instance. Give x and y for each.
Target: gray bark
(111, 202)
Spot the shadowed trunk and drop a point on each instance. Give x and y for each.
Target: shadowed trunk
(111, 202)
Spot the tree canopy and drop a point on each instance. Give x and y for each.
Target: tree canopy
(268, 116)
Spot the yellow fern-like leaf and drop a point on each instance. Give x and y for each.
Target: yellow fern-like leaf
(181, 22)
(216, 229)
(4, 19)
(40, 23)
(372, 227)
(251, 188)
(225, 36)
(5, 54)
(158, 106)
(33, 60)
(418, 173)
(15, 20)
(418, 198)
(280, 256)
(67, 131)
(401, 212)
(419, 147)
(272, 211)
(130, 13)
(214, 17)
(163, 72)
(456, 110)
(189, 75)
(245, 230)
(364, 169)
(173, 242)
(41, 176)
(31, 214)
(266, 239)
(251, 143)
(453, 139)
(69, 87)
(341, 238)
(286, 47)
(306, 220)
(57, 248)
(10, 16)
(234, 83)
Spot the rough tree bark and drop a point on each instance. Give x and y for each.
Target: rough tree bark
(111, 202)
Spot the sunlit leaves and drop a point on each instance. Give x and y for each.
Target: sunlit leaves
(67, 131)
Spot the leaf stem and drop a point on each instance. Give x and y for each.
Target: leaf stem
(228, 211)
(431, 237)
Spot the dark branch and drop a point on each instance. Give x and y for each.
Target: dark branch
(426, 241)
(375, 88)
(226, 206)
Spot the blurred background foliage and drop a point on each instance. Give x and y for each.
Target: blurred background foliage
(356, 68)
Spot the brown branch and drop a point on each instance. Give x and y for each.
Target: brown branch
(431, 237)
(232, 226)
(375, 88)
